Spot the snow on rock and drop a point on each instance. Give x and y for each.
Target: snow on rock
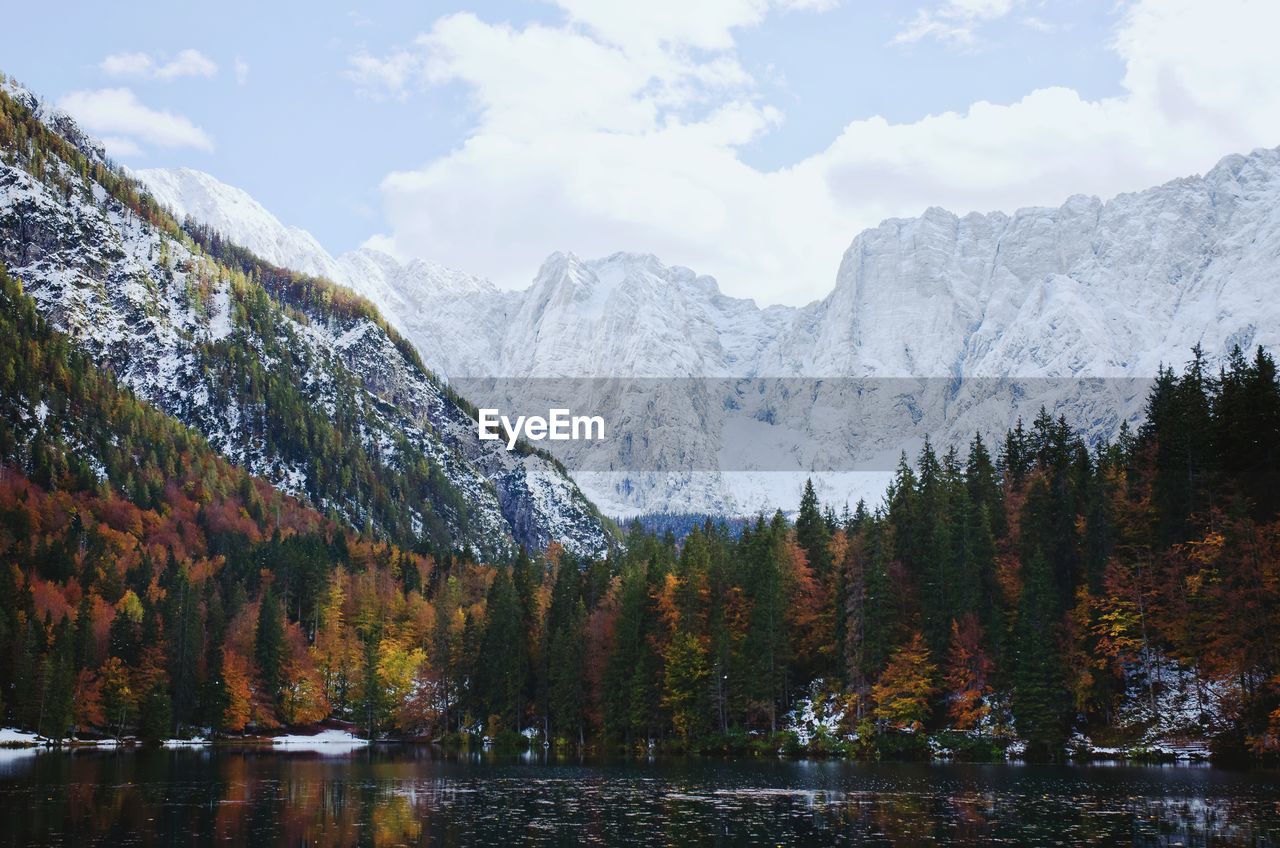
(1172, 710)
(949, 305)
(220, 323)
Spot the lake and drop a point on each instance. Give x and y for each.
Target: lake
(405, 795)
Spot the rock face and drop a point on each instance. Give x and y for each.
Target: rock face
(189, 335)
(937, 326)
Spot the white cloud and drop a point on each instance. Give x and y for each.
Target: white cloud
(392, 76)
(954, 21)
(118, 114)
(242, 71)
(128, 65)
(119, 147)
(706, 24)
(594, 143)
(187, 63)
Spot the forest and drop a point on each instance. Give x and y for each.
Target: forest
(1031, 590)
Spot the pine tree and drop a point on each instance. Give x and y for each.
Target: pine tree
(268, 646)
(182, 625)
(503, 657)
(813, 534)
(766, 639)
(567, 690)
(58, 684)
(446, 647)
(156, 711)
(1039, 693)
(371, 698)
(985, 519)
(626, 658)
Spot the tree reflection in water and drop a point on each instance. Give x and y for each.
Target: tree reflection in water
(417, 796)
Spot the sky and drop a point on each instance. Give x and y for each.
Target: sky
(747, 139)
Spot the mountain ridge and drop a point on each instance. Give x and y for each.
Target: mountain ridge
(1091, 289)
(1225, 171)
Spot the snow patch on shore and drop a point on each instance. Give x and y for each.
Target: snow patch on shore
(326, 741)
(11, 737)
(821, 711)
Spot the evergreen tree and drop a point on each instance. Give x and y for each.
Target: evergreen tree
(766, 639)
(156, 711)
(1039, 695)
(626, 658)
(58, 684)
(503, 667)
(268, 644)
(685, 685)
(812, 533)
(182, 625)
(567, 696)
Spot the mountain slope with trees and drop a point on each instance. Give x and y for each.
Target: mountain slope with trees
(289, 376)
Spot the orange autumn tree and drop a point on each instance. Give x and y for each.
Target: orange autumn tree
(237, 680)
(810, 614)
(87, 701)
(969, 670)
(902, 694)
(302, 699)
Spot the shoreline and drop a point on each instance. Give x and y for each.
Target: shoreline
(1195, 753)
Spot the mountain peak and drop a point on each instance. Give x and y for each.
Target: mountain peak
(237, 216)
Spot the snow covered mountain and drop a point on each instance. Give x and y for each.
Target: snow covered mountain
(940, 325)
(194, 194)
(286, 376)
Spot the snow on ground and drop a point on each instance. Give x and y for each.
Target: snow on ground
(11, 737)
(195, 741)
(326, 741)
(220, 324)
(820, 711)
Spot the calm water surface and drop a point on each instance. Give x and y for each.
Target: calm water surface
(415, 796)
